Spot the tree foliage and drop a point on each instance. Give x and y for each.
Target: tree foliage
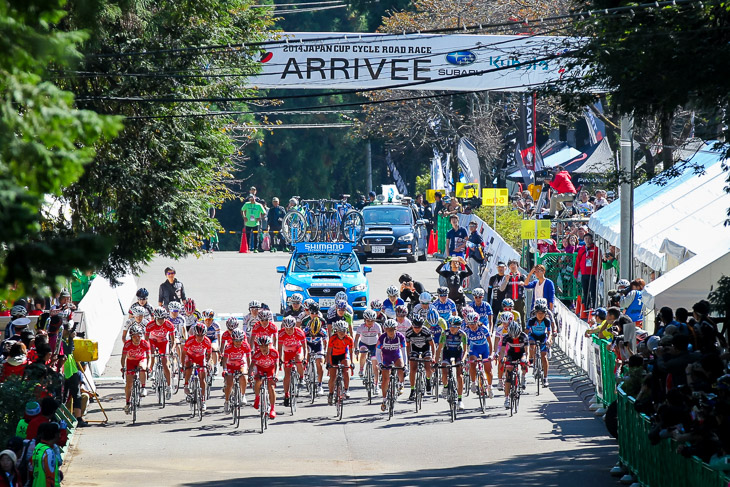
(44, 145)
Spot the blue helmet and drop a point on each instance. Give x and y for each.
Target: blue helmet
(432, 317)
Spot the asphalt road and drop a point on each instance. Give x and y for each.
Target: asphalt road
(553, 441)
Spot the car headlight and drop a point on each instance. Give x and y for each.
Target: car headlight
(359, 287)
(293, 287)
(406, 238)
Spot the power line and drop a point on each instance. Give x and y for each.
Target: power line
(312, 9)
(525, 22)
(276, 5)
(291, 126)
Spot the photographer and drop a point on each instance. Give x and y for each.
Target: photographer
(410, 290)
(632, 303)
(454, 278)
(563, 187)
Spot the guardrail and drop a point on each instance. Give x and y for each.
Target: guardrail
(658, 465)
(607, 358)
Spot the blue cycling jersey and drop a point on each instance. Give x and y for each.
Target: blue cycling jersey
(477, 338)
(484, 311)
(389, 307)
(444, 309)
(536, 327)
(212, 332)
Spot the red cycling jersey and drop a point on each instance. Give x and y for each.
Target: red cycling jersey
(260, 330)
(265, 363)
(159, 333)
(136, 352)
(340, 346)
(235, 356)
(293, 342)
(198, 350)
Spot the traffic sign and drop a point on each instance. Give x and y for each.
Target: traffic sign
(495, 196)
(528, 229)
(470, 192)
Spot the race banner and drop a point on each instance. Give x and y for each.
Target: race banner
(399, 183)
(461, 62)
(528, 130)
(437, 171)
(468, 161)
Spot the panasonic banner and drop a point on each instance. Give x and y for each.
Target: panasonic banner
(412, 61)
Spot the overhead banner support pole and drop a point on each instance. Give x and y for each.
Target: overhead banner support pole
(626, 196)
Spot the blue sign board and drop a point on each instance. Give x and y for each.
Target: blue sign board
(324, 247)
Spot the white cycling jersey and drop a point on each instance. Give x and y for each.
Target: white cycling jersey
(369, 334)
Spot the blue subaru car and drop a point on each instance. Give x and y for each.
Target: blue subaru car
(319, 270)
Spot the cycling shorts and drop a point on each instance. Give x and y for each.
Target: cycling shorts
(269, 373)
(290, 355)
(315, 347)
(131, 365)
(337, 359)
(449, 354)
(515, 356)
(161, 346)
(541, 339)
(189, 360)
(230, 369)
(482, 350)
(365, 348)
(424, 354)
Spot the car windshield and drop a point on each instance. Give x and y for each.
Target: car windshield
(387, 215)
(326, 263)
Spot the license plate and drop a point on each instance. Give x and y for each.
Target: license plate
(326, 302)
(378, 249)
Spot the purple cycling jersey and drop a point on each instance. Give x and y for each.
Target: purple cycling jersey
(389, 349)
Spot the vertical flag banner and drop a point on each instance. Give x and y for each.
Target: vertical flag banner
(468, 161)
(527, 175)
(399, 183)
(437, 171)
(596, 127)
(448, 179)
(528, 129)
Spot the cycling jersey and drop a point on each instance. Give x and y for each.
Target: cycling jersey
(539, 328)
(293, 342)
(444, 309)
(332, 311)
(130, 322)
(307, 320)
(235, 356)
(453, 341)
(340, 346)
(420, 312)
(314, 341)
(179, 323)
(403, 327)
(389, 307)
(347, 317)
(437, 329)
(389, 349)
(420, 341)
(478, 341)
(248, 321)
(265, 363)
(260, 330)
(148, 311)
(213, 332)
(159, 333)
(369, 334)
(197, 350)
(226, 338)
(136, 352)
(484, 311)
(515, 347)
(290, 311)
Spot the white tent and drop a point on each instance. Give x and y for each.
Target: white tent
(677, 221)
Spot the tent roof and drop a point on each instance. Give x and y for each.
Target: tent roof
(689, 212)
(552, 160)
(689, 282)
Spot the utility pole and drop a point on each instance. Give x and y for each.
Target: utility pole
(369, 167)
(626, 197)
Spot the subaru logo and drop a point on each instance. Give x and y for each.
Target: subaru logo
(326, 291)
(378, 239)
(461, 58)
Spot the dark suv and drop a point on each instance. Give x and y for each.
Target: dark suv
(392, 230)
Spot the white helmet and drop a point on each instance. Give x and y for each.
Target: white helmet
(340, 325)
(478, 293)
(623, 284)
(514, 329)
(160, 313)
(288, 322)
(175, 306)
(425, 298)
(208, 313)
(296, 298)
(392, 291)
(369, 315)
(472, 317)
(505, 317)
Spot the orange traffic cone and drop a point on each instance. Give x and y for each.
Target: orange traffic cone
(432, 243)
(244, 243)
(578, 306)
(586, 314)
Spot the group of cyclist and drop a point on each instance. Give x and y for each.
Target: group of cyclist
(393, 337)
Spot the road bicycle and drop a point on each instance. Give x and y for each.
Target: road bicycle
(537, 367)
(483, 391)
(160, 384)
(392, 394)
(208, 381)
(338, 397)
(515, 390)
(136, 395)
(310, 377)
(264, 401)
(435, 382)
(195, 398)
(175, 371)
(368, 380)
(467, 381)
(420, 383)
(452, 396)
(323, 221)
(293, 386)
(236, 399)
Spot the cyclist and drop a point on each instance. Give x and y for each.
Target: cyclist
(142, 295)
(403, 323)
(480, 345)
(294, 308)
(390, 353)
(339, 348)
(340, 296)
(292, 346)
(312, 313)
(393, 300)
(436, 324)
(158, 333)
(236, 356)
(317, 344)
(483, 308)
(513, 346)
(136, 353)
(423, 306)
(192, 315)
(227, 336)
(138, 314)
(305, 311)
(181, 332)
(419, 342)
(377, 306)
(501, 330)
(213, 332)
(509, 305)
(340, 314)
(252, 317)
(266, 361)
(197, 351)
(539, 331)
(366, 340)
(453, 345)
(550, 314)
(444, 306)
(264, 326)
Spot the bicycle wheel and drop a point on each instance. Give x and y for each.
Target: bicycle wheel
(200, 403)
(263, 405)
(368, 382)
(293, 380)
(467, 381)
(538, 373)
(514, 394)
(435, 382)
(352, 227)
(420, 386)
(482, 391)
(175, 375)
(193, 398)
(208, 383)
(392, 392)
(339, 397)
(134, 404)
(294, 227)
(452, 397)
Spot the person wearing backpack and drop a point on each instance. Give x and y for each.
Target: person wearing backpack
(475, 246)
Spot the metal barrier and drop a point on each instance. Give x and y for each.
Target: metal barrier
(559, 269)
(658, 465)
(606, 387)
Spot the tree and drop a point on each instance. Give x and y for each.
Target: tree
(150, 189)
(44, 145)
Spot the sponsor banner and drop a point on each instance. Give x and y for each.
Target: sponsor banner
(528, 132)
(463, 62)
(468, 160)
(437, 172)
(324, 247)
(399, 183)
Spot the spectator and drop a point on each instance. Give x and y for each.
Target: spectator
(410, 290)
(19, 326)
(16, 362)
(452, 207)
(39, 371)
(586, 264)
(600, 200)
(456, 239)
(252, 213)
(372, 198)
(8, 466)
(171, 289)
(32, 409)
(572, 246)
(477, 255)
(584, 206)
(632, 303)
(438, 205)
(46, 459)
(564, 189)
(39, 305)
(428, 214)
(513, 287)
(72, 379)
(17, 312)
(544, 287)
(293, 203)
(610, 261)
(252, 191)
(495, 288)
(455, 278)
(49, 406)
(275, 219)
(80, 284)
